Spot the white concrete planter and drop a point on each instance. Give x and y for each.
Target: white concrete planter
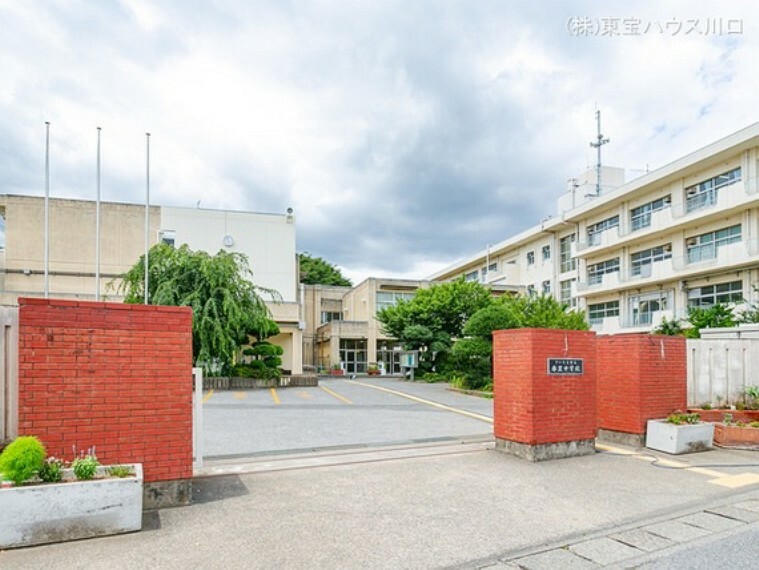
(57, 512)
(677, 439)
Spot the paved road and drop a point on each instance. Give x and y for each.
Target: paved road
(461, 507)
(338, 413)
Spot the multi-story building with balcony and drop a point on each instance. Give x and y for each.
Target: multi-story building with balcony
(684, 235)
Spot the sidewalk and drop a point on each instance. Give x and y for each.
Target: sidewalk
(460, 507)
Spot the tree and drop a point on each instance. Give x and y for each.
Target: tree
(433, 318)
(471, 355)
(317, 271)
(227, 307)
(719, 315)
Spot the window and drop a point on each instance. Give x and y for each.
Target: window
(599, 311)
(546, 250)
(643, 307)
(704, 193)
(168, 237)
(640, 217)
(387, 299)
(565, 292)
(531, 290)
(530, 258)
(329, 316)
(595, 231)
(2, 231)
(472, 276)
(492, 268)
(546, 287)
(565, 253)
(708, 295)
(641, 261)
(596, 271)
(705, 246)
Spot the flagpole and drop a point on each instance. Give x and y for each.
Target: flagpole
(147, 211)
(97, 227)
(47, 209)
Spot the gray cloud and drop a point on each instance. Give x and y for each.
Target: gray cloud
(403, 134)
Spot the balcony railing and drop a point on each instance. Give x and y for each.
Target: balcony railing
(701, 200)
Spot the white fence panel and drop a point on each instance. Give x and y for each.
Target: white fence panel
(721, 368)
(8, 372)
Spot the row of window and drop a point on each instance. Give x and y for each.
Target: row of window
(704, 247)
(545, 253)
(697, 196)
(698, 248)
(643, 307)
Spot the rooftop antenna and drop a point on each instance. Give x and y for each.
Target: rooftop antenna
(600, 141)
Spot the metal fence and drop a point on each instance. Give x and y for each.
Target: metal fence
(8, 372)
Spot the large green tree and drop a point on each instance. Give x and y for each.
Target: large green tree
(318, 271)
(433, 318)
(471, 355)
(227, 307)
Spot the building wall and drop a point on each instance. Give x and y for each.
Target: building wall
(109, 375)
(675, 224)
(72, 245)
(267, 239)
(316, 300)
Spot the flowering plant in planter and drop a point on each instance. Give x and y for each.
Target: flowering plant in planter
(110, 499)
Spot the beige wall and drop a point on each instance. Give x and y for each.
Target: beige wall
(315, 300)
(269, 241)
(72, 245)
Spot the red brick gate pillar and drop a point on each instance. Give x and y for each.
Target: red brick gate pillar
(544, 392)
(114, 376)
(641, 377)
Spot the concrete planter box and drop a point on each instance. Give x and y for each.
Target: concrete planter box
(677, 439)
(58, 512)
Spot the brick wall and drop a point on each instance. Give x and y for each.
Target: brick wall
(532, 407)
(640, 377)
(115, 376)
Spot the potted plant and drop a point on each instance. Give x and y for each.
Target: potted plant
(42, 500)
(373, 370)
(335, 370)
(679, 433)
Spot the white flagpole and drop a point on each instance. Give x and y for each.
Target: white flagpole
(97, 227)
(47, 209)
(147, 211)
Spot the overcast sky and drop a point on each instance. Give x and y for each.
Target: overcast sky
(405, 135)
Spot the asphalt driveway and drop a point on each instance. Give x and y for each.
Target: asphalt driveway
(338, 413)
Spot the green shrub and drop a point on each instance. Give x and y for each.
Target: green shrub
(85, 467)
(679, 418)
(51, 470)
(22, 459)
(432, 377)
(120, 471)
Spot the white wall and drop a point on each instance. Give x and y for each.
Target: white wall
(267, 239)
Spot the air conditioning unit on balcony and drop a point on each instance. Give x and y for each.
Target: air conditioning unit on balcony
(692, 192)
(690, 242)
(667, 200)
(668, 247)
